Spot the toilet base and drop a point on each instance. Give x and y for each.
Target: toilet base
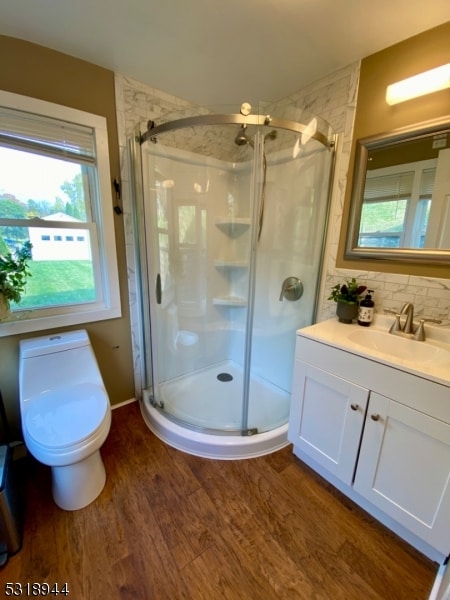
(77, 485)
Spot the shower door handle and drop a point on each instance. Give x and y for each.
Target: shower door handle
(158, 289)
(291, 289)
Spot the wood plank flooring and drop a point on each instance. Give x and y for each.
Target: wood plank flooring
(171, 526)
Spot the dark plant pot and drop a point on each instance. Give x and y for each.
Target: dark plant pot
(346, 311)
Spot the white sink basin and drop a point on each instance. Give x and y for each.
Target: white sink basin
(429, 359)
(404, 349)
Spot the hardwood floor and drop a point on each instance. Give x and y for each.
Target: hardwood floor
(172, 526)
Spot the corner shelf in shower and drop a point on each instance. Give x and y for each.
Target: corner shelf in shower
(230, 301)
(231, 264)
(233, 227)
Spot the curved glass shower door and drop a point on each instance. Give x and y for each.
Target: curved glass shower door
(234, 220)
(287, 269)
(198, 229)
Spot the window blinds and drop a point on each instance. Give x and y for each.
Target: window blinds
(398, 186)
(60, 139)
(389, 187)
(427, 183)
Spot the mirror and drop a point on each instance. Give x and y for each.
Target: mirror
(400, 201)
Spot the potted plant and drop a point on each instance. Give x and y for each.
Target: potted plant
(14, 272)
(347, 297)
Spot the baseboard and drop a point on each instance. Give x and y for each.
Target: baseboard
(124, 403)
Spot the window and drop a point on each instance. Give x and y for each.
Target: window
(55, 189)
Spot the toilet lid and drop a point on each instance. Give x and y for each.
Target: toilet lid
(65, 417)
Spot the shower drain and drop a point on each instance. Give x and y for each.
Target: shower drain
(224, 377)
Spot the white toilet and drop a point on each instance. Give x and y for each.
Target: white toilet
(66, 414)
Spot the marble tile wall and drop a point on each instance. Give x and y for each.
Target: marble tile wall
(333, 98)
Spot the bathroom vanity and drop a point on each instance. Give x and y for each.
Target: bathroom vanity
(370, 412)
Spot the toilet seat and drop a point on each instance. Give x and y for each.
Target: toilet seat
(64, 418)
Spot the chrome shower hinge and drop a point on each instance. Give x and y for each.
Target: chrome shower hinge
(154, 403)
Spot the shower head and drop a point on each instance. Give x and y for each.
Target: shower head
(271, 135)
(241, 139)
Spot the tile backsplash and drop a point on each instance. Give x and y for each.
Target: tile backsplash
(430, 296)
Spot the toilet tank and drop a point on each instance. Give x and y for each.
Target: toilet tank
(56, 361)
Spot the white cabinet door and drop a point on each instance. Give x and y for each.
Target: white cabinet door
(326, 420)
(404, 469)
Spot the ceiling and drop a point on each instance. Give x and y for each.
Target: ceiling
(213, 52)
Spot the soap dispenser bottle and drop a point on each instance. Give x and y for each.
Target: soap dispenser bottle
(366, 310)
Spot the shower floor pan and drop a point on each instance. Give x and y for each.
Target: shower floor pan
(212, 399)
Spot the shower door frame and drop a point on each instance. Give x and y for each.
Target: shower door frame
(234, 119)
(151, 135)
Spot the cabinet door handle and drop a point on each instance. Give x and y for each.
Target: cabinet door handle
(354, 406)
(375, 417)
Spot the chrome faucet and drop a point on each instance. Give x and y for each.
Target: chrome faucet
(409, 330)
(408, 310)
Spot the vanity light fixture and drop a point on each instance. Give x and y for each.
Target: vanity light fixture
(425, 83)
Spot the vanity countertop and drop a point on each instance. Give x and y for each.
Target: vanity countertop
(429, 360)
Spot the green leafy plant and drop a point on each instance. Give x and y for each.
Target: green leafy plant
(349, 292)
(14, 273)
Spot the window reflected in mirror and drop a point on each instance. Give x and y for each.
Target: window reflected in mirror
(396, 207)
(401, 196)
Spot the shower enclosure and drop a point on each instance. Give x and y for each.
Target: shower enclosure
(230, 215)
